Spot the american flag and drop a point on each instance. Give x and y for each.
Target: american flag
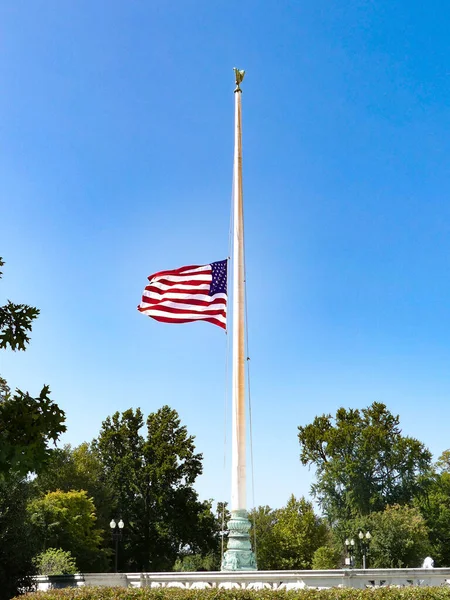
(194, 293)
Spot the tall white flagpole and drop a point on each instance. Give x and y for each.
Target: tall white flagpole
(238, 462)
(239, 555)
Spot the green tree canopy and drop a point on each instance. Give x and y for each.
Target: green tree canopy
(399, 537)
(27, 425)
(363, 462)
(286, 538)
(16, 321)
(263, 519)
(435, 508)
(327, 557)
(67, 520)
(298, 532)
(152, 478)
(17, 542)
(79, 468)
(443, 462)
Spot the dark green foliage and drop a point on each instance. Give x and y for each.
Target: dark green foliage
(223, 515)
(197, 562)
(27, 426)
(15, 323)
(263, 520)
(363, 462)
(327, 557)
(399, 538)
(4, 389)
(435, 507)
(287, 538)
(17, 545)
(92, 593)
(152, 479)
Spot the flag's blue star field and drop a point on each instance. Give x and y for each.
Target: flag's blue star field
(219, 278)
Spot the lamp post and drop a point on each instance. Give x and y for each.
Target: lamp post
(116, 533)
(364, 539)
(350, 549)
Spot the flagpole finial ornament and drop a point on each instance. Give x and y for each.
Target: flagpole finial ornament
(239, 75)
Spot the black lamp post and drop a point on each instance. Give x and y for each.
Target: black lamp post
(350, 549)
(116, 533)
(364, 539)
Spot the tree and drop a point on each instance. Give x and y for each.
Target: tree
(15, 323)
(17, 544)
(67, 520)
(263, 520)
(27, 427)
(78, 468)
(443, 462)
(55, 561)
(399, 537)
(326, 557)
(4, 389)
(298, 532)
(223, 515)
(152, 478)
(286, 538)
(27, 424)
(435, 508)
(363, 462)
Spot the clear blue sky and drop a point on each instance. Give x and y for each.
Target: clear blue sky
(116, 142)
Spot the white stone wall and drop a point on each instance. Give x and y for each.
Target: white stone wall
(273, 580)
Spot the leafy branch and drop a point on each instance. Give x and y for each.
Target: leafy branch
(15, 323)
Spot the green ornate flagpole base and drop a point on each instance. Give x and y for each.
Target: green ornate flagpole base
(239, 555)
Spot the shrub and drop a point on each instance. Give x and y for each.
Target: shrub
(55, 561)
(104, 593)
(197, 562)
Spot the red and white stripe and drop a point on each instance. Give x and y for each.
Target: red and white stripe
(182, 296)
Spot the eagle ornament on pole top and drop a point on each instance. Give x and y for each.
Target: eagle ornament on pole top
(239, 76)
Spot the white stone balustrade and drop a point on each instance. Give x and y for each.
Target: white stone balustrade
(273, 580)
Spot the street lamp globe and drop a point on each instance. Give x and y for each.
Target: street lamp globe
(116, 534)
(368, 536)
(360, 535)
